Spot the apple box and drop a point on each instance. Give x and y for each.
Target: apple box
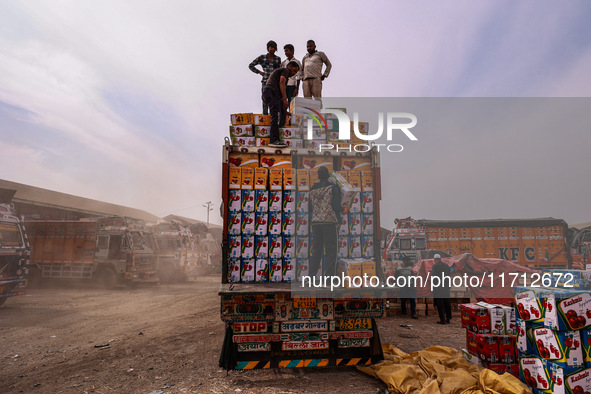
(248, 198)
(563, 348)
(247, 247)
(303, 201)
(235, 242)
(276, 270)
(275, 246)
(261, 203)
(302, 267)
(475, 318)
(261, 246)
(234, 200)
(567, 310)
(248, 223)
(343, 248)
(247, 271)
(234, 270)
(275, 200)
(289, 201)
(289, 270)
(302, 247)
(234, 223)
(262, 270)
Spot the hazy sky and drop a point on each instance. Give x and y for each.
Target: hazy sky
(129, 101)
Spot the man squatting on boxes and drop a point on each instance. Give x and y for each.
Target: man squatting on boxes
(325, 199)
(275, 96)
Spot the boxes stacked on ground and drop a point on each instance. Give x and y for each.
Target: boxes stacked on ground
(553, 332)
(490, 336)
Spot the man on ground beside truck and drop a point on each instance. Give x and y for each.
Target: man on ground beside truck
(325, 199)
(312, 70)
(293, 83)
(275, 95)
(407, 292)
(441, 293)
(270, 63)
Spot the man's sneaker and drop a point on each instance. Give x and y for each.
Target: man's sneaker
(277, 144)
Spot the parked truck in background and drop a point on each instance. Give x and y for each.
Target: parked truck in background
(109, 250)
(580, 248)
(179, 254)
(14, 250)
(535, 243)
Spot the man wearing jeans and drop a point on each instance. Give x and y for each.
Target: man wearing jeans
(275, 96)
(270, 62)
(312, 70)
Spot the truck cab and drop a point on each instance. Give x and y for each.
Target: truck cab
(125, 248)
(178, 252)
(14, 254)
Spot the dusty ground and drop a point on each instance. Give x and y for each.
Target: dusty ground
(162, 338)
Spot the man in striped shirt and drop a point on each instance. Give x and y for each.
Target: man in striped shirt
(269, 62)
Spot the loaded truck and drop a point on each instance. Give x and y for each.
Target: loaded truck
(267, 243)
(178, 252)
(534, 243)
(14, 250)
(580, 248)
(109, 250)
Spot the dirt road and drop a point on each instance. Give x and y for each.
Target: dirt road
(158, 338)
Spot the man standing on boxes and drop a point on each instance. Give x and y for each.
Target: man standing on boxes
(275, 96)
(407, 292)
(270, 63)
(293, 84)
(312, 70)
(441, 294)
(325, 200)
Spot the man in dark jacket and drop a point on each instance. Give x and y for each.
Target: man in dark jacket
(441, 293)
(325, 198)
(275, 95)
(407, 292)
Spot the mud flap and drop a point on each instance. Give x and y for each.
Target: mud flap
(228, 356)
(377, 354)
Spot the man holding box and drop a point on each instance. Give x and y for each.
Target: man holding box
(275, 96)
(270, 63)
(325, 204)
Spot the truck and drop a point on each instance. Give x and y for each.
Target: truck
(580, 248)
(14, 250)
(534, 243)
(109, 250)
(265, 251)
(178, 252)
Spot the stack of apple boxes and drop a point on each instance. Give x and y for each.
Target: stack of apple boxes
(490, 336)
(269, 229)
(553, 339)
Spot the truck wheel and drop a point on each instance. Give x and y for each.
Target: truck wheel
(107, 278)
(34, 280)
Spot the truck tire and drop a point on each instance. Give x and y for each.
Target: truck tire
(107, 278)
(34, 281)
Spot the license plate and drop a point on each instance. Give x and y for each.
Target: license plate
(354, 324)
(309, 302)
